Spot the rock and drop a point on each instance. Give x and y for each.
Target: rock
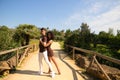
(113, 73)
(3, 64)
(81, 61)
(7, 65)
(12, 62)
(94, 70)
(6, 72)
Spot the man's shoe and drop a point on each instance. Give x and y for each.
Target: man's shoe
(52, 74)
(40, 73)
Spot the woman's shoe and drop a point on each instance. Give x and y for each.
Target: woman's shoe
(59, 73)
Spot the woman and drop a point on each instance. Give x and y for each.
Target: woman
(50, 38)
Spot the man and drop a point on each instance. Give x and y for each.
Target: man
(43, 53)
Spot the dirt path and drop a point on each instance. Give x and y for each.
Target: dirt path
(29, 68)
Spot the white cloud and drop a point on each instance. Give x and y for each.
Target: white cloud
(98, 19)
(96, 8)
(83, 15)
(72, 20)
(109, 19)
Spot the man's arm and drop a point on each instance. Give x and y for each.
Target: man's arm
(44, 41)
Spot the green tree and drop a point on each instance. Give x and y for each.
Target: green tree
(85, 38)
(68, 33)
(59, 35)
(25, 32)
(6, 38)
(80, 37)
(103, 37)
(71, 37)
(94, 39)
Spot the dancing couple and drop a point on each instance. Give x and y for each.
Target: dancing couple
(46, 52)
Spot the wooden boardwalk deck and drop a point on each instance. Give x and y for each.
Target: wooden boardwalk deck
(29, 68)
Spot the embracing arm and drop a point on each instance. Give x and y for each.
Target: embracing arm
(46, 44)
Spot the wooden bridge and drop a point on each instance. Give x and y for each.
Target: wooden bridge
(27, 68)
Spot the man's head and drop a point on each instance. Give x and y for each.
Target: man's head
(43, 31)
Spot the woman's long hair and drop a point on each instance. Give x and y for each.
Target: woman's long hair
(51, 34)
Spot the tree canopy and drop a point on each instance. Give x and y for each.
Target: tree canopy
(6, 38)
(24, 32)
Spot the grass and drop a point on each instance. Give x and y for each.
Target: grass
(34, 41)
(61, 44)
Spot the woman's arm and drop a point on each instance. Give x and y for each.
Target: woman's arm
(46, 44)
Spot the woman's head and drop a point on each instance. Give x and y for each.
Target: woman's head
(50, 35)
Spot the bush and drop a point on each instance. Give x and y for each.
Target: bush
(6, 38)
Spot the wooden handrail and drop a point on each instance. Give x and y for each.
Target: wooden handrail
(94, 58)
(8, 51)
(18, 60)
(117, 61)
(97, 54)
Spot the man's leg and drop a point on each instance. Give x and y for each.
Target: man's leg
(48, 63)
(40, 57)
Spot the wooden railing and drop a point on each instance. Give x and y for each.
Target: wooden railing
(94, 58)
(19, 59)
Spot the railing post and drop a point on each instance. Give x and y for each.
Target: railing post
(92, 61)
(108, 78)
(33, 47)
(17, 57)
(73, 53)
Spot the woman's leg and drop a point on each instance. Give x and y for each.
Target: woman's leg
(40, 57)
(54, 61)
(50, 62)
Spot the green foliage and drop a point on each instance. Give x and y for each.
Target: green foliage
(24, 32)
(6, 56)
(7, 42)
(85, 37)
(105, 43)
(6, 38)
(61, 44)
(68, 33)
(59, 35)
(34, 41)
(79, 38)
(12, 38)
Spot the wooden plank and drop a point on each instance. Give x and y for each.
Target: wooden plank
(73, 54)
(108, 58)
(24, 46)
(4, 67)
(101, 68)
(97, 54)
(17, 57)
(8, 51)
(92, 61)
(80, 49)
(23, 56)
(17, 52)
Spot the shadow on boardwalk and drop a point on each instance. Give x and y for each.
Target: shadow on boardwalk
(62, 57)
(29, 72)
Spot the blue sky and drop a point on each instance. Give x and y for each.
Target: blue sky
(100, 15)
